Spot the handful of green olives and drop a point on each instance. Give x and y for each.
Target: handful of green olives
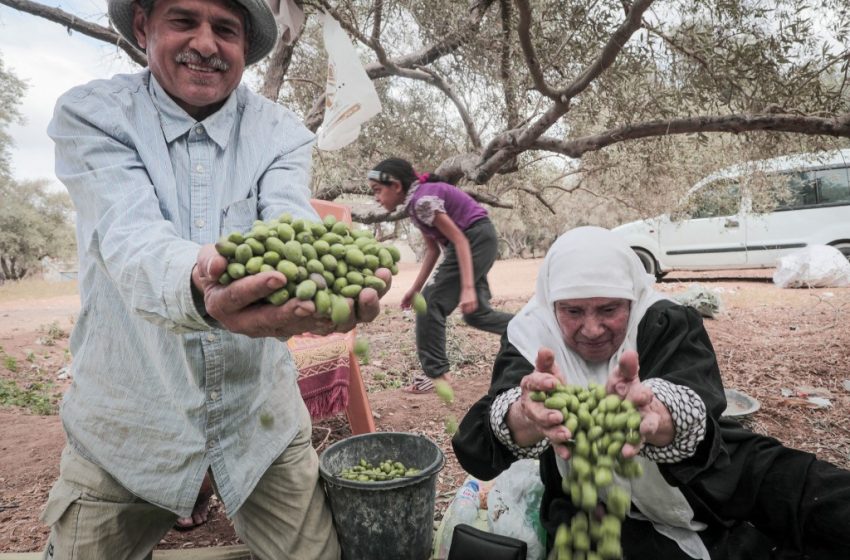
(388, 469)
(600, 425)
(325, 261)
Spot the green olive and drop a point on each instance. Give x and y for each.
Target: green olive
(340, 311)
(226, 248)
(236, 270)
(420, 306)
(351, 290)
(305, 290)
(322, 299)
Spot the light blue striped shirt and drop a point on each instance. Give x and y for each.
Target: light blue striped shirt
(159, 394)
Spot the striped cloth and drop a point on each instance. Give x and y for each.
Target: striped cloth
(323, 364)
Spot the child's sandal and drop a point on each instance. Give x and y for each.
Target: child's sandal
(421, 385)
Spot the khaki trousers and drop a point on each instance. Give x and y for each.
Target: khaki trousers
(92, 517)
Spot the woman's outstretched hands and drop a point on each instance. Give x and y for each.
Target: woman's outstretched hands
(656, 427)
(530, 421)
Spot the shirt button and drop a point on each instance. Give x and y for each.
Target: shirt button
(199, 223)
(210, 337)
(210, 444)
(199, 130)
(213, 395)
(199, 168)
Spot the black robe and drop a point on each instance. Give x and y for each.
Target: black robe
(758, 498)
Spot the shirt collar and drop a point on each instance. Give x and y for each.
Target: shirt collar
(176, 122)
(410, 192)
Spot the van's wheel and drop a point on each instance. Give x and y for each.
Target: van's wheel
(648, 262)
(844, 247)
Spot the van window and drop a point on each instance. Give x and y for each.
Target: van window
(825, 186)
(801, 191)
(720, 198)
(834, 185)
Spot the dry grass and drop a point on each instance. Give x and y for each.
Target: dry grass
(31, 288)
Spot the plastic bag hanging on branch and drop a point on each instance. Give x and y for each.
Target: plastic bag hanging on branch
(350, 98)
(289, 17)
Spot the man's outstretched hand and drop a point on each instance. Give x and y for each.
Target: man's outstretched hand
(240, 306)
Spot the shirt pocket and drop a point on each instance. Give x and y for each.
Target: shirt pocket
(239, 216)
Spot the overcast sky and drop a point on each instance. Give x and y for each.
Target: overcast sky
(50, 61)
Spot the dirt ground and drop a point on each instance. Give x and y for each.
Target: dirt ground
(782, 347)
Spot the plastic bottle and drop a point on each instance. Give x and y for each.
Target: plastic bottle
(463, 509)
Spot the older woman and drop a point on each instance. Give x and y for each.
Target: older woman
(711, 489)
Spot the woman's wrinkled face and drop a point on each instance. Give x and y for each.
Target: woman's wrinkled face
(594, 328)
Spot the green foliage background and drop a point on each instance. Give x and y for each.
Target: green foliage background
(35, 222)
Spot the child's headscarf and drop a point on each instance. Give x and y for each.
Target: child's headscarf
(591, 262)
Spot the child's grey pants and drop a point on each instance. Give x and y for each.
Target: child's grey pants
(443, 294)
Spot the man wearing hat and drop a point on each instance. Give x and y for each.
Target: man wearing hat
(176, 376)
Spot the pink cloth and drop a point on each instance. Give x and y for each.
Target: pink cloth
(323, 372)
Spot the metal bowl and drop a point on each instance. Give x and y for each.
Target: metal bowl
(739, 404)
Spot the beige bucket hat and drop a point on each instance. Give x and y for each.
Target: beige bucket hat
(264, 30)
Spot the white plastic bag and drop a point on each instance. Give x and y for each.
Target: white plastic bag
(289, 17)
(350, 98)
(815, 266)
(703, 299)
(513, 506)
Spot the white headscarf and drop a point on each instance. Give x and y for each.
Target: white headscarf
(591, 262)
(584, 262)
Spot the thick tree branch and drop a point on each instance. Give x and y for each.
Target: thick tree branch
(377, 15)
(72, 22)
(332, 192)
(376, 216)
(278, 65)
(512, 117)
(531, 60)
(423, 57)
(441, 84)
(538, 194)
(620, 200)
(457, 167)
(517, 141)
(575, 148)
(610, 51)
(314, 118)
(676, 46)
(476, 11)
(429, 76)
(511, 109)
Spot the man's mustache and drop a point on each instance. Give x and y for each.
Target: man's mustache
(193, 57)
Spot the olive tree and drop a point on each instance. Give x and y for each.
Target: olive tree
(11, 91)
(34, 222)
(551, 106)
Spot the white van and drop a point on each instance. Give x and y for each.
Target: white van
(749, 215)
